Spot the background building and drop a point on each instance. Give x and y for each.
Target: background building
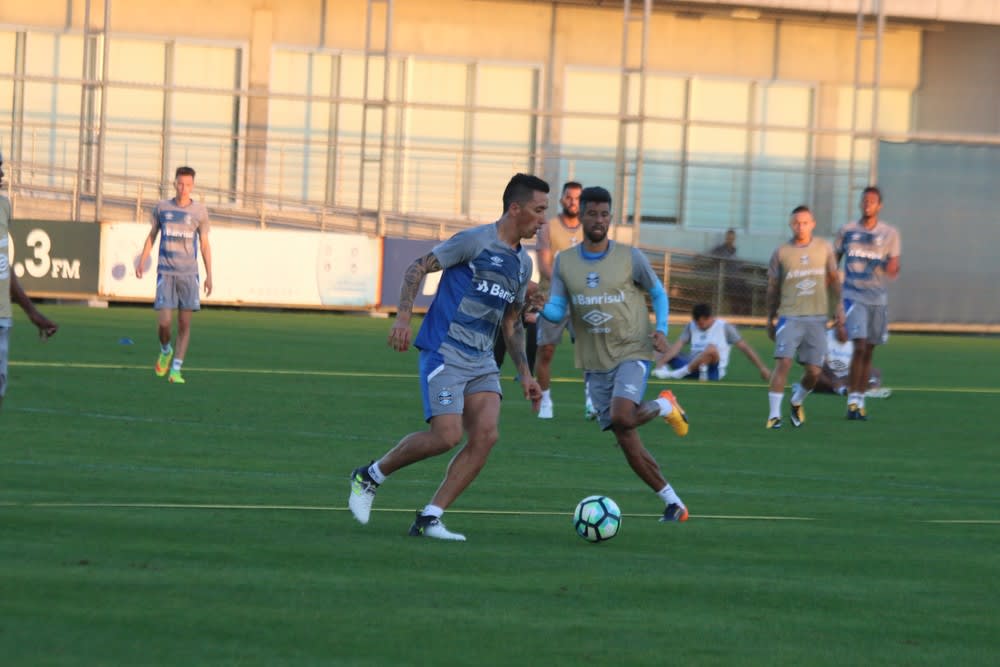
(411, 114)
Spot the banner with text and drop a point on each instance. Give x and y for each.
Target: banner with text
(255, 267)
(54, 257)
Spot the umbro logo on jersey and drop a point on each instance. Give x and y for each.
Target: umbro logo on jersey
(593, 279)
(496, 261)
(804, 259)
(596, 318)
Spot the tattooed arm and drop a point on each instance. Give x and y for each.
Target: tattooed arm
(399, 335)
(513, 334)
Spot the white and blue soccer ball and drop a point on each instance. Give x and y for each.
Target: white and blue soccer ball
(597, 518)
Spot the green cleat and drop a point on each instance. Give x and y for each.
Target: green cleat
(163, 363)
(176, 377)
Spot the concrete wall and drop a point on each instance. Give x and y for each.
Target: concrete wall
(959, 90)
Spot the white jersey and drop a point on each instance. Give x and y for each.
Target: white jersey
(721, 334)
(838, 355)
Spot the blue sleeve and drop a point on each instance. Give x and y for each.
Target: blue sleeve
(555, 309)
(661, 306)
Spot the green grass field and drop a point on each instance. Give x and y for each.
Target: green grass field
(150, 524)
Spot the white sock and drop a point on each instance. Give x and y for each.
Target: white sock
(775, 398)
(800, 394)
(376, 473)
(666, 407)
(861, 400)
(165, 348)
(679, 373)
(176, 366)
(841, 390)
(668, 496)
(432, 510)
(855, 398)
(546, 395)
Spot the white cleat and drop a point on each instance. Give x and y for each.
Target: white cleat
(879, 392)
(589, 412)
(363, 489)
(545, 410)
(661, 372)
(429, 526)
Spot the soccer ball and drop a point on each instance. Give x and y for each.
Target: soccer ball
(597, 518)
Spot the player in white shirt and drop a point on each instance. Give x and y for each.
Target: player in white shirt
(711, 339)
(837, 367)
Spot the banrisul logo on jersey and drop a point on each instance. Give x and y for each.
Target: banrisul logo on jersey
(56, 257)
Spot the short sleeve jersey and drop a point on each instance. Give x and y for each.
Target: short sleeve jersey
(607, 300)
(721, 334)
(482, 277)
(801, 272)
(180, 230)
(6, 311)
(865, 253)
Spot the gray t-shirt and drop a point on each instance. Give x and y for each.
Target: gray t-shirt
(180, 229)
(866, 252)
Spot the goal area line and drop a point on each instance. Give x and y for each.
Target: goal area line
(323, 508)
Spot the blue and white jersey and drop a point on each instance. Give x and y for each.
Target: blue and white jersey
(180, 228)
(866, 252)
(482, 277)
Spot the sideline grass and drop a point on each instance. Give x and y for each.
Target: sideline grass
(152, 524)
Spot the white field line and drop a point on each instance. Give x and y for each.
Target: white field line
(322, 508)
(412, 376)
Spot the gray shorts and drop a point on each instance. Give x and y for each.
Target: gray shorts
(804, 335)
(4, 354)
(626, 380)
(447, 377)
(550, 333)
(175, 292)
(868, 322)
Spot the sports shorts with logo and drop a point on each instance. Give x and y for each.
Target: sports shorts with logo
(867, 321)
(626, 380)
(803, 335)
(447, 376)
(177, 292)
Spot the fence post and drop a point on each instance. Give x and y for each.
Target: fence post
(138, 203)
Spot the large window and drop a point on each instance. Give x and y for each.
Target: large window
(716, 153)
(455, 131)
(780, 159)
(50, 109)
(135, 109)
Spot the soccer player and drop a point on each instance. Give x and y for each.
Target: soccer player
(870, 249)
(485, 280)
(711, 340)
(11, 293)
(184, 225)
(603, 286)
(802, 281)
(563, 231)
(837, 367)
